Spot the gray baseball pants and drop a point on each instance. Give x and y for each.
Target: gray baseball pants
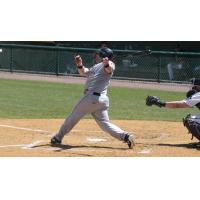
(97, 106)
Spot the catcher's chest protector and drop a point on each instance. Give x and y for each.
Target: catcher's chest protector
(192, 123)
(198, 106)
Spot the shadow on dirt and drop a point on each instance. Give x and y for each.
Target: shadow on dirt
(195, 145)
(62, 147)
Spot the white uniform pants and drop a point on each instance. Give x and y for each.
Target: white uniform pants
(97, 106)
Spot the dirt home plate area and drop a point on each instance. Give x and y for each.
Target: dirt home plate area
(30, 137)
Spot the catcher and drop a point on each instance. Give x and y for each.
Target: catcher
(192, 122)
(94, 100)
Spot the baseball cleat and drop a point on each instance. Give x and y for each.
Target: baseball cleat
(55, 141)
(129, 139)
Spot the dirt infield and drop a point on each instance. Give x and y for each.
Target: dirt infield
(31, 138)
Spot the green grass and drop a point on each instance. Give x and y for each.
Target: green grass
(34, 99)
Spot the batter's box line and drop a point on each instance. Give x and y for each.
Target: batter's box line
(31, 146)
(23, 146)
(25, 129)
(44, 131)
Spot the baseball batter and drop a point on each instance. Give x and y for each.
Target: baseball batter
(95, 100)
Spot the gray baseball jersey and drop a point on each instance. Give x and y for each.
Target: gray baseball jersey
(94, 101)
(98, 80)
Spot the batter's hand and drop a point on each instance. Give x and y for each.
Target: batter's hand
(78, 60)
(105, 61)
(107, 65)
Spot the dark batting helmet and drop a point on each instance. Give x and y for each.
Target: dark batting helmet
(106, 52)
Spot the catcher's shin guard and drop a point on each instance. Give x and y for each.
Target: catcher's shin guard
(192, 123)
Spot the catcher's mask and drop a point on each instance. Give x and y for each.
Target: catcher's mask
(106, 52)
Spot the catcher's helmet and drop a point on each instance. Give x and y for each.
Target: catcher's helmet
(106, 52)
(190, 93)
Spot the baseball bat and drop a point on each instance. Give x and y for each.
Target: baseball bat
(142, 53)
(130, 55)
(136, 54)
(139, 54)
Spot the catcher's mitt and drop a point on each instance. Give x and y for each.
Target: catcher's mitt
(152, 100)
(192, 123)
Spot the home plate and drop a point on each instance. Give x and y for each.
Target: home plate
(32, 145)
(145, 151)
(96, 140)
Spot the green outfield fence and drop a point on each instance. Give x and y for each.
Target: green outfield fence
(159, 66)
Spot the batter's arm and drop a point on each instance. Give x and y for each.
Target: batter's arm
(108, 65)
(83, 71)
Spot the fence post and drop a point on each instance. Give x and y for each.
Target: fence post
(11, 60)
(57, 62)
(159, 68)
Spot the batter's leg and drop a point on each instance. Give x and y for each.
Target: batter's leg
(68, 125)
(79, 110)
(102, 119)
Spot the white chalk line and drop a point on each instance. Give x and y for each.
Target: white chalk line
(12, 145)
(96, 139)
(22, 128)
(32, 145)
(44, 131)
(24, 146)
(145, 151)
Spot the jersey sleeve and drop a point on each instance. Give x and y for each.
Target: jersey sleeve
(90, 70)
(112, 64)
(194, 100)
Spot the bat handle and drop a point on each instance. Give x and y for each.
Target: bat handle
(148, 51)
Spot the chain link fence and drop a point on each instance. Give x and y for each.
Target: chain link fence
(158, 66)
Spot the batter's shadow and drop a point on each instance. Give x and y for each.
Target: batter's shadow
(62, 147)
(194, 145)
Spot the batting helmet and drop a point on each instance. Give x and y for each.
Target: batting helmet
(106, 52)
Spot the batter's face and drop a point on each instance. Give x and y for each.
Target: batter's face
(105, 61)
